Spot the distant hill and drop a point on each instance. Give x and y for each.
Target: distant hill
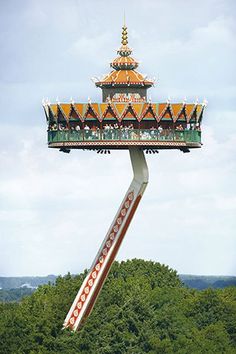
(15, 288)
(15, 294)
(201, 282)
(193, 281)
(7, 283)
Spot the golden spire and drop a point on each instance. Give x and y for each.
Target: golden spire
(124, 50)
(124, 40)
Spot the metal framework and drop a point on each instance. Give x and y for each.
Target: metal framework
(89, 291)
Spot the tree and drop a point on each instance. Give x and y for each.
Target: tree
(143, 308)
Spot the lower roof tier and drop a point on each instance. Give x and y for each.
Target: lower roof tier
(118, 139)
(172, 112)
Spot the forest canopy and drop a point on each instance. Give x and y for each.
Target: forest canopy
(143, 308)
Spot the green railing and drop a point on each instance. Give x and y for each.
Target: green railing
(191, 136)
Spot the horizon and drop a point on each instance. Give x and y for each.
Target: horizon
(63, 275)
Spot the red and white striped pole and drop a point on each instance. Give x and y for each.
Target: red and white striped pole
(92, 285)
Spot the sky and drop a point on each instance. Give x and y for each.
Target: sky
(55, 208)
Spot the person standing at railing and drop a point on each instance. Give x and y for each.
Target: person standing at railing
(126, 133)
(94, 133)
(130, 129)
(77, 132)
(198, 127)
(105, 132)
(116, 131)
(160, 130)
(98, 133)
(121, 132)
(111, 132)
(153, 133)
(180, 127)
(86, 130)
(52, 127)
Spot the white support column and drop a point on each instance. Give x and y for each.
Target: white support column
(89, 291)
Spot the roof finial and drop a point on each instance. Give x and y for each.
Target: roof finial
(124, 50)
(124, 40)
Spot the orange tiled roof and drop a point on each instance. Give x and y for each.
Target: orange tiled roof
(124, 65)
(172, 112)
(124, 77)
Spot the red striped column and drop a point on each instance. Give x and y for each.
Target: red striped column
(88, 293)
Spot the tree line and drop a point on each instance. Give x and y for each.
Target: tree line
(143, 308)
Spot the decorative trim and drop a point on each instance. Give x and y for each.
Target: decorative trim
(120, 143)
(163, 109)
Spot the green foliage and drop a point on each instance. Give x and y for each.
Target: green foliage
(143, 308)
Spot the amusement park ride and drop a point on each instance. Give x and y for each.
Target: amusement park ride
(124, 120)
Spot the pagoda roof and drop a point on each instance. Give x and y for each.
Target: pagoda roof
(124, 65)
(124, 78)
(160, 112)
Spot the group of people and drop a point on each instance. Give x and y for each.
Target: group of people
(124, 132)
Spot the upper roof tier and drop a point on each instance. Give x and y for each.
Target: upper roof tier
(124, 74)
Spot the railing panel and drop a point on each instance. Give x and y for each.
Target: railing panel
(76, 135)
(124, 135)
(91, 135)
(111, 134)
(179, 135)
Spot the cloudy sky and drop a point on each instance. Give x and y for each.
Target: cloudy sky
(55, 208)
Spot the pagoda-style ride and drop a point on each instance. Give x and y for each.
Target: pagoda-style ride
(125, 119)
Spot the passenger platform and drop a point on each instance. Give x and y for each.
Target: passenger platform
(96, 126)
(104, 139)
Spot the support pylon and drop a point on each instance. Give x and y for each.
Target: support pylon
(92, 285)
